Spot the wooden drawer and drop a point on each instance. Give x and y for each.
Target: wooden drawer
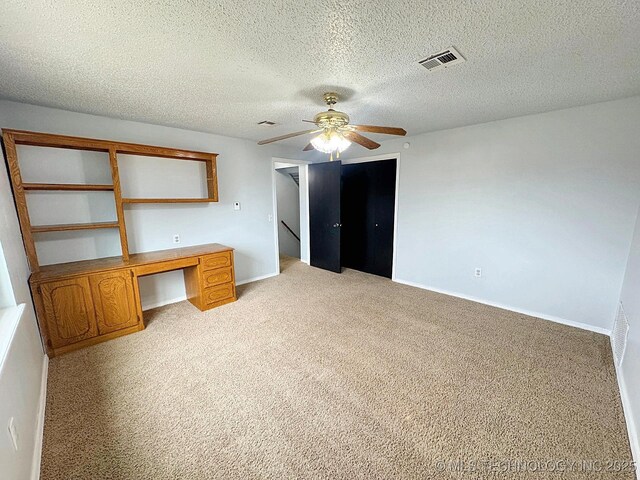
(217, 260)
(166, 266)
(218, 293)
(211, 278)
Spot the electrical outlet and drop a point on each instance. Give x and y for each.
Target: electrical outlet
(13, 433)
(176, 238)
(270, 217)
(478, 272)
(236, 205)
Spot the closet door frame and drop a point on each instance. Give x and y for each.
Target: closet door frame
(376, 158)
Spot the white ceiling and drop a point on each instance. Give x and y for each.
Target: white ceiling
(222, 66)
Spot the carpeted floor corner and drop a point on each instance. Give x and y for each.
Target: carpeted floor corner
(315, 375)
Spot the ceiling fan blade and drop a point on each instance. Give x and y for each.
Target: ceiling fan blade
(307, 148)
(284, 137)
(376, 129)
(360, 140)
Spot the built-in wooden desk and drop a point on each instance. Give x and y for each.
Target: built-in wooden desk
(83, 303)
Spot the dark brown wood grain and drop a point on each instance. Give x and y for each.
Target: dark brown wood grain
(384, 130)
(361, 140)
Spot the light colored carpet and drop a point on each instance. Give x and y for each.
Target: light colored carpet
(317, 375)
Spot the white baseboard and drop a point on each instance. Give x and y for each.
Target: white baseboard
(632, 430)
(37, 448)
(571, 323)
(162, 303)
(255, 279)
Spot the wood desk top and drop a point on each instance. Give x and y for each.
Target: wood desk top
(83, 267)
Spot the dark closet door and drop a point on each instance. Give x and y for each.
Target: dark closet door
(324, 215)
(357, 226)
(368, 209)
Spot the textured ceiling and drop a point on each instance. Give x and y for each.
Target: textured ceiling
(222, 66)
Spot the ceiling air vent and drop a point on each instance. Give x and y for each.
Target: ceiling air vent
(267, 123)
(450, 56)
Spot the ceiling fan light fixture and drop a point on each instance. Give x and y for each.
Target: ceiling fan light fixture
(330, 141)
(337, 133)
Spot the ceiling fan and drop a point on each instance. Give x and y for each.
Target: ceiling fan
(335, 133)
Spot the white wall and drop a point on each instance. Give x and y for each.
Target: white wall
(544, 204)
(304, 214)
(630, 369)
(21, 356)
(6, 292)
(288, 200)
(21, 392)
(244, 175)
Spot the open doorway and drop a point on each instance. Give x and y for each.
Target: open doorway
(290, 212)
(288, 202)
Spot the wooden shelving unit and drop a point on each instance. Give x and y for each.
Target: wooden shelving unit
(90, 301)
(12, 138)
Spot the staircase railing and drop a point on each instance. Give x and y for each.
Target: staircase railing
(290, 231)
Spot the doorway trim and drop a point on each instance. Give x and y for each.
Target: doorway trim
(376, 158)
(304, 189)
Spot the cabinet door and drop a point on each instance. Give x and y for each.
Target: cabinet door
(68, 308)
(114, 300)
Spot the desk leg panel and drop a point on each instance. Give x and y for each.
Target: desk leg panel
(193, 285)
(138, 300)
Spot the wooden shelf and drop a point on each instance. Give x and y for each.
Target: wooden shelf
(72, 226)
(167, 200)
(77, 187)
(37, 139)
(13, 138)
